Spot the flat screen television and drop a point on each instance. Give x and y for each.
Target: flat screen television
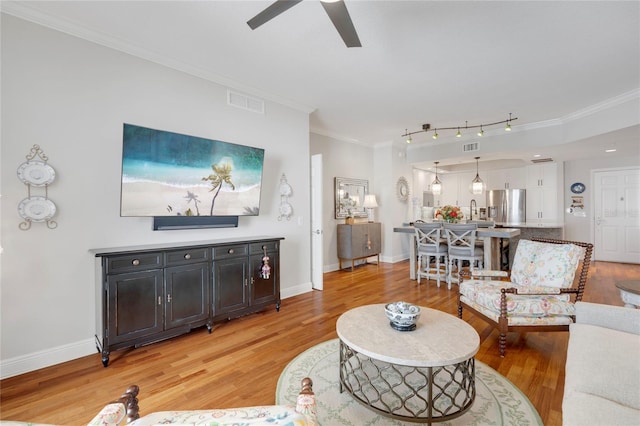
(167, 174)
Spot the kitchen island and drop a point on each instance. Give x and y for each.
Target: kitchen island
(529, 230)
(490, 236)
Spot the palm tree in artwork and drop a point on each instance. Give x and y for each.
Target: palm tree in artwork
(221, 174)
(192, 197)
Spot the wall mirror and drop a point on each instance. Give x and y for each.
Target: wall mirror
(349, 195)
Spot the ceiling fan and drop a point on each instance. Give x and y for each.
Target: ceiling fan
(336, 10)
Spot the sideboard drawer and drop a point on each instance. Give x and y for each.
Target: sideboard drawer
(186, 256)
(257, 248)
(222, 252)
(134, 262)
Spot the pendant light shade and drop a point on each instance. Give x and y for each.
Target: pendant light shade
(436, 185)
(477, 186)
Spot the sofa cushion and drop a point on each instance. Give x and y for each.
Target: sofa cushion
(487, 294)
(582, 409)
(604, 363)
(260, 415)
(111, 414)
(545, 264)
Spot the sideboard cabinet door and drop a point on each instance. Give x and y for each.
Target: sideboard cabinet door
(230, 286)
(134, 305)
(265, 288)
(186, 294)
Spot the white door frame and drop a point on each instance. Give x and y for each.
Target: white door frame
(317, 235)
(595, 209)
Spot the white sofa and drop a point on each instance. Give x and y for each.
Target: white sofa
(602, 382)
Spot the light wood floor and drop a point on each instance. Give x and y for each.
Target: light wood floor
(240, 362)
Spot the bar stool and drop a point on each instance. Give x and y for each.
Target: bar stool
(430, 244)
(461, 240)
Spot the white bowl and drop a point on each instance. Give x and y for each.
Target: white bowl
(402, 314)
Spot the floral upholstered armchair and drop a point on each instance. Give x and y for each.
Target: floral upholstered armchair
(302, 414)
(541, 291)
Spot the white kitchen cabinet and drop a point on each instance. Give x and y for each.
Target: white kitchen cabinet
(543, 175)
(513, 178)
(449, 194)
(464, 194)
(543, 193)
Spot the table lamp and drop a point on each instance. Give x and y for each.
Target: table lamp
(370, 203)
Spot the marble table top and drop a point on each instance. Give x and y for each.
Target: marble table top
(439, 338)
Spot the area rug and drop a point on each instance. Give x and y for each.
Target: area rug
(498, 401)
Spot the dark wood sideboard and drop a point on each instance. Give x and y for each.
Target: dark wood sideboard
(156, 292)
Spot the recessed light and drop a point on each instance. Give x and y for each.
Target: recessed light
(610, 150)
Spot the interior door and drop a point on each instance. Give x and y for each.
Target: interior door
(617, 215)
(317, 260)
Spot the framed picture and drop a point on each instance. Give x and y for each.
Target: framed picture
(349, 197)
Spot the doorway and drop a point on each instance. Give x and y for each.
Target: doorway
(317, 235)
(616, 224)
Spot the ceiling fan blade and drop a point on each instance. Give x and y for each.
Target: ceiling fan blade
(339, 15)
(271, 12)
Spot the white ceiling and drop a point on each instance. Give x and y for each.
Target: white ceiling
(437, 62)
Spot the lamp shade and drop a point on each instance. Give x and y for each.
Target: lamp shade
(370, 201)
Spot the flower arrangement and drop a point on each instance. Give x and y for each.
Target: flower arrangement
(449, 213)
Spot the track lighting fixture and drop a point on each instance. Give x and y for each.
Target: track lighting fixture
(436, 185)
(427, 128)
(409, 140)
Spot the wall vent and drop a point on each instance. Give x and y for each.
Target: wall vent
(541, 160)
(240, 100)
(469, 147)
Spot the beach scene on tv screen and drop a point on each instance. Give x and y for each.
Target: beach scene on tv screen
(171, 174)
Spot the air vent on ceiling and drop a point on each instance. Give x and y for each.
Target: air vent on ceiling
(541, 160)
(469, 147)
(243, 101)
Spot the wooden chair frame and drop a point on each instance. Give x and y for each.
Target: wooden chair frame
(503, 321)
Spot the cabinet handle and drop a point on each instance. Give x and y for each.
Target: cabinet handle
(252, 280)
(135, 262)
(168, 298)
(230, 251)
(159, 301)
(187, 256)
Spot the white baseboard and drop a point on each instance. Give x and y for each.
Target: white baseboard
(46, 358)
(294, 291)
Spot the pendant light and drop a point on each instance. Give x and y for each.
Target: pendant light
(436, 185)
(477, 186)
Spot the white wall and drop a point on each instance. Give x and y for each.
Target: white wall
(339, 159)
(581, 228)
(71, 97)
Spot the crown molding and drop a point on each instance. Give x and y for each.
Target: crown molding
(26, 11)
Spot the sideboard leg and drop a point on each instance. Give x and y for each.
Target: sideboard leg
(105, 358)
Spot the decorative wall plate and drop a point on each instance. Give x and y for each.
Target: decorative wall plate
(37, 209)
(36, 173)
(402, 188)
(285, 211)
(578, 188)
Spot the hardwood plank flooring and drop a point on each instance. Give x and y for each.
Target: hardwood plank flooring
(240, 362)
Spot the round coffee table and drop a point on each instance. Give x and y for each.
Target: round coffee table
(425, 375)
(630, 293)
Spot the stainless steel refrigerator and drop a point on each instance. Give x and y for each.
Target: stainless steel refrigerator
(506, 205)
